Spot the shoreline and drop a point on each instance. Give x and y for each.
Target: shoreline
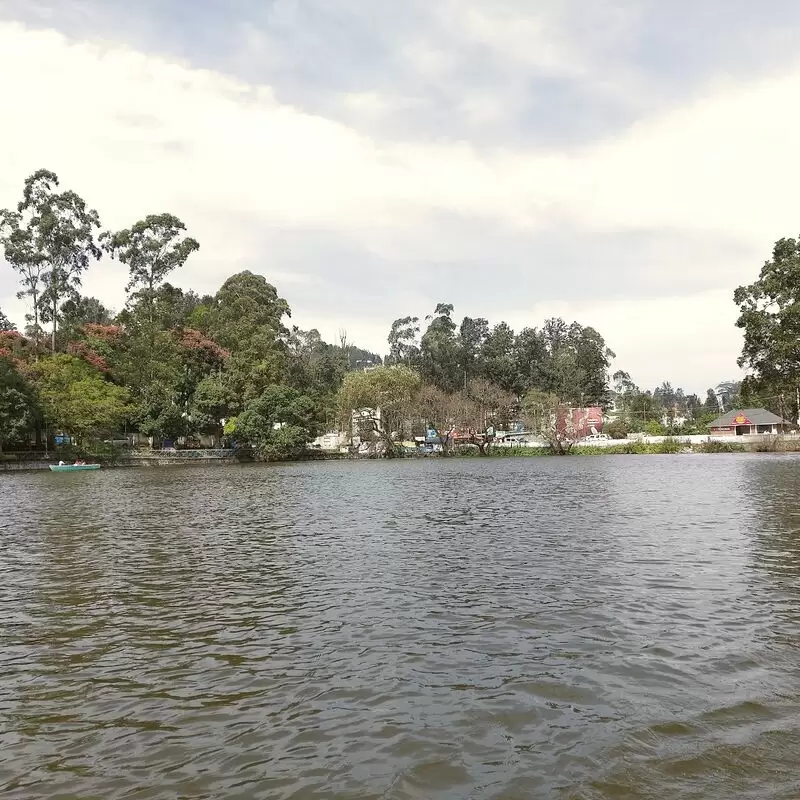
(211, 458)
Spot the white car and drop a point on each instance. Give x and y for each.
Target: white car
(596, 437)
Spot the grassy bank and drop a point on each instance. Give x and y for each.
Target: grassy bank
(627, 448)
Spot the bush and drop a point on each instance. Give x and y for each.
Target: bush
(720, 447)
(629, 448)
(768, 445)
(777, 444)
(617, 429)
(654, 428)
(670, 445)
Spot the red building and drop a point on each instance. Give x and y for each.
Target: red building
(748, 421)
(580, 422)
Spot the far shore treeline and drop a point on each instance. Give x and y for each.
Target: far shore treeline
(175, 364)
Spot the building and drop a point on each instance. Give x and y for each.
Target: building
(746, 421)
(332, 441)
(579, 422)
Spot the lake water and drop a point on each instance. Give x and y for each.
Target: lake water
(605, 627)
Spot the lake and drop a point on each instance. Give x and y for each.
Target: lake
(587, 627)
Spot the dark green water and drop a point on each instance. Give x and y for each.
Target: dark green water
(610, 627)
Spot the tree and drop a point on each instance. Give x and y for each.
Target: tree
(158, 413)
(49, 240)
(769, 316)
(551, 420)
(622, 383)
(277, 425)
(439, 351)
(246, 318)
(5, 323)
(711, 405)
(576, 363)
(592, 358)
(17, 404)
(530, 360)
(357, 357)
(151, 249)
(14, 345)
(79, 311)
(17, 239)
(403, 342)
(75, 398)
(211, 403)
(386, 395)
(440, 412)
(617, 429)
(199, 357)
(471, 337)
(498, 358)
(485, 406)
(312, 364)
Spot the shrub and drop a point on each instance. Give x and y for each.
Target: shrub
(768, 445)
(720, 447)
(617, 429)
(654, 428)
(670, 445)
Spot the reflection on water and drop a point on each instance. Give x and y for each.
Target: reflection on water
(613, 627)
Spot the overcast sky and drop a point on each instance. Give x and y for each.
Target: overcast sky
(624, 164)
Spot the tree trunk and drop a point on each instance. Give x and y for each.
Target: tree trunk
(55, 323)
(387, 439)
(35, 296)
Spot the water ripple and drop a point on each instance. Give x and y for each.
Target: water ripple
(567, 628)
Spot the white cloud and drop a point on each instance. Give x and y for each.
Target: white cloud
(136, 134)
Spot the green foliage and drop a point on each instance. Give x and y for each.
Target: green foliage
(246, 318)
(618, 429)
(390, 390)
(79, 311)
(49, 240)
(174, 363)
(276, 425)
(358, 358)
(570, 361)
(440, 351)
(158, 414)
(654, 428)
(713, 446)
(151, 249)
(76, 399)
(312, 364)
(671, 445)
(768, 316)
(211, 403)
(17, 404)
(5, 323)
(403, 342)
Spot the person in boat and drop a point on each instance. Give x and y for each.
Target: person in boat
(80, 462)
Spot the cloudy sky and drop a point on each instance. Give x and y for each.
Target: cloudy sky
(625, 164)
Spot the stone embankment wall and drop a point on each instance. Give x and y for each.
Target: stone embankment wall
(152, 458)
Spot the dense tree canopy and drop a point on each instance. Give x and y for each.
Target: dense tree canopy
(17, 406)
(5, 323)
(50, 241)
(173, 363)
(769, 316)
(74, 396)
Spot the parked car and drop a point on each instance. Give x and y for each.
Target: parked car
(596, 437)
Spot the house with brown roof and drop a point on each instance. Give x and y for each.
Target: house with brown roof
(748, 421)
